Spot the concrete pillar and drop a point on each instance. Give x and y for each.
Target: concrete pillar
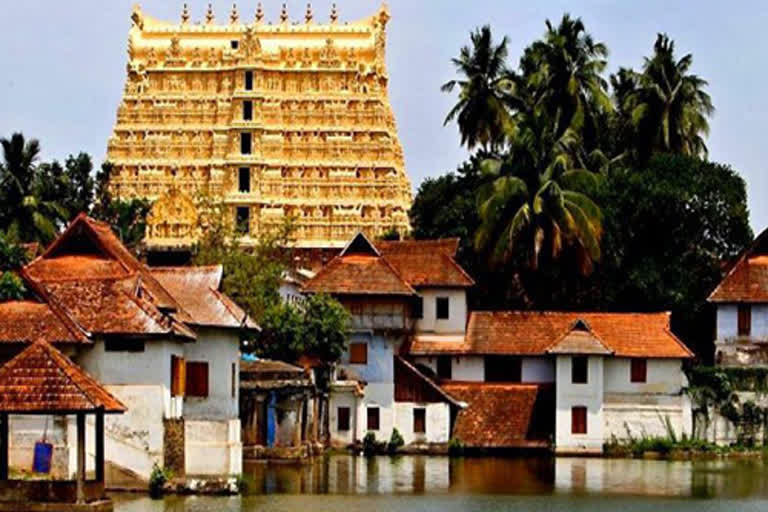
(297, 425)
(4, 446)
(99, 430)
(81, 457)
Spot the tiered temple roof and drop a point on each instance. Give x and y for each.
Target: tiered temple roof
(278, 119)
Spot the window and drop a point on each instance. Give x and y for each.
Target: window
(444, 367)
(638, 370)
(245, 143)
(442, 308)
(247, 110)
(578, 420)
(235, 44)
(197, 379)
(579, 369)
(745, 319)
(419, 420)
(244, 179)
(358, 353)
(418, 307)
(234, 380)
(342, 419)
(249, 80)
(373, 418)
(123, 345)
(178, 376)
(503, 369)
(242, 220)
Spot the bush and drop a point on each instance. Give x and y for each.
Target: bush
(455, 446)
(157, 480)
(396, 441)
(371, 446)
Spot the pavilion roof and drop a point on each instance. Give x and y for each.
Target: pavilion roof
(42, 380)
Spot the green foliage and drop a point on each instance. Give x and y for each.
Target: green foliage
(12, 256)
(455, 447)
(371, 446)
(396, 441)
(317, 327)
(157, 480)
(11, 286)
(391, 234)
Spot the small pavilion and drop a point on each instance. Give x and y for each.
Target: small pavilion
(42, 381)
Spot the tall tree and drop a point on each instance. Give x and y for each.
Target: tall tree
(480, 111)
(26, 216)
(669, 109)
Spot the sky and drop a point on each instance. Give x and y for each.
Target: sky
(62, 66)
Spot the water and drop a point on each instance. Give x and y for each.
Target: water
(489, 484)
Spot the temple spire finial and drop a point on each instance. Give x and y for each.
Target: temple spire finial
(334, 14)
(284, 14)
(259, 13)
(234, 17)
(209, 16)
(185, 15)
(308, 15)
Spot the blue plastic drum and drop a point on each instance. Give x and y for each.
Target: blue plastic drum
(43, 456)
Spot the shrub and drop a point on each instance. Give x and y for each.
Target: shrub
(396, 441)
(157, 480)
(370, 445)
(455, 446)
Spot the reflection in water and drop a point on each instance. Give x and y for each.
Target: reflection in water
(442, 484)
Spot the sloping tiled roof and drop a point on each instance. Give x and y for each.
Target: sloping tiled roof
(501, 415)
(746, 282)
(26, 321)
(413, 386)
(43, 380)
(536, 332)
(580, 339)
(426, 262)
(358, 274)
(196, 289)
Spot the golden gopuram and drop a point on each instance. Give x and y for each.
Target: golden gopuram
(283, 119)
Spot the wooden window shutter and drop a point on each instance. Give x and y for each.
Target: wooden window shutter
(373, 418)
(178, 376)
(419, 420)
(578, 420)
(197, 379)
(745, 320)
(358, 353)
(639, 370)
(342, 419)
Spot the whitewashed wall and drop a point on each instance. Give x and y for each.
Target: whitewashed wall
(220, 348)
(663, 376)
(727, 321)
(589, 395)
(472, 368)
(213, 447)
(381, 395)
(338, 399)
(457, 310)
(438, 417)
(538, 369)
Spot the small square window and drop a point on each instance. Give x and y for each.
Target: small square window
(419, 420)
(249, 80)
(342, 419)
(639, 370)
(373, 418)
(123, 345)
(197, 379)
(243, 220)
(245, 143)
(235, 44)
(579, 369)
(358, 353)
(444, 369)
(247, 110)
(244, 179)
(442, 308)
(578, 420)
(418, 308)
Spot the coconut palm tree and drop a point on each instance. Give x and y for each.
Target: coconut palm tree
(669, 108)
(480, 111)
(26, 216)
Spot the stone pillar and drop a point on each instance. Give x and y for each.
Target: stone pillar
(4, 446)
(297, 425)
(81, 457)
(99, 429)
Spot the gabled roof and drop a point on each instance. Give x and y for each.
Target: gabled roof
(390, 268)
(537, 332)
(579, 339)
(43, 380)
(747, 281)
(413, 386)
(196, 289)
(25, 321)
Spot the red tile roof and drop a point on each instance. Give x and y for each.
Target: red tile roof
(43, 380)
(579, 339)
(746, 282)
(502, 415)
(26, 321)
(196, 289)
(390, 268)
(426, 262)
(535, 333)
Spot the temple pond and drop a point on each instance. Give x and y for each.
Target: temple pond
(442, 484)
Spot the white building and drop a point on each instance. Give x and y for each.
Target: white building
(507, 379)
(165, 341)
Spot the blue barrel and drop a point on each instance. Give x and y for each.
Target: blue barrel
(43, 456)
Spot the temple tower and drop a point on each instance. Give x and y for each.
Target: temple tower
(276, 119)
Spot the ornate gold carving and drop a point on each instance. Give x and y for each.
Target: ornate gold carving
(324, 144)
